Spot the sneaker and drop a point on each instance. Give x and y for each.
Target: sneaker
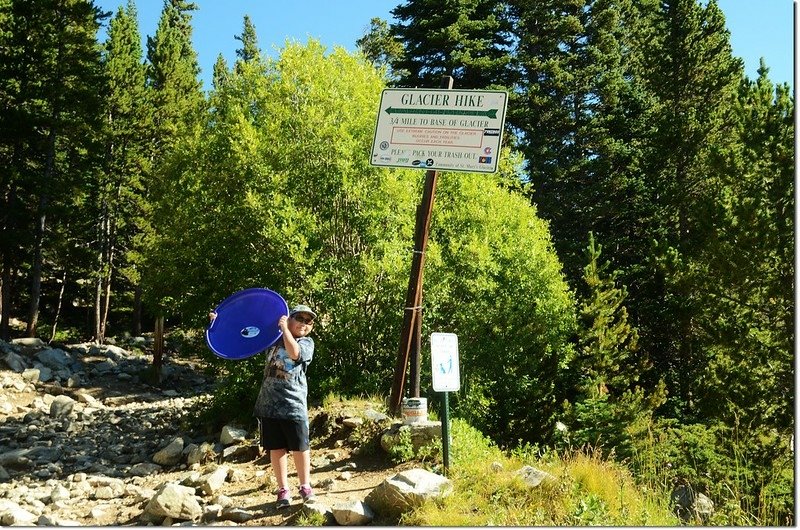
(306, 493)
(283, 499)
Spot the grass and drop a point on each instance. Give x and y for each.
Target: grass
(587, 490)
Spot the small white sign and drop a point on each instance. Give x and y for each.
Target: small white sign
(444, 362)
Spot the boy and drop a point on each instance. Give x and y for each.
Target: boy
(281, 407)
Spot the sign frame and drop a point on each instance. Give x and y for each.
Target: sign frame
(439, 129)
(445, 369)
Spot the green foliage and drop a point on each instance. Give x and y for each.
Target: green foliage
(610, 410)
(466, 39)
(402, 450)
(586, 490)
(493, 279)
(381, 47)
(724, 463)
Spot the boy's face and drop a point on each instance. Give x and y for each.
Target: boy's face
(300, 324)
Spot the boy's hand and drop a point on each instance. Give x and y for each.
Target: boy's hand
(283, 323)
(211, 316)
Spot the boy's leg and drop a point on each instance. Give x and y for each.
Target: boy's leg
(302, 462)
(277, 457)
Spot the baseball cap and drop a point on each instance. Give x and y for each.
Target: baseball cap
(302, 309)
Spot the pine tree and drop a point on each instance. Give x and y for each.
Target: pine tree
(120, 192)
(249, 51)
(172, 74)
(610, 408)
(380, 46)
(51, 96)
(696, 80)
(467, 39)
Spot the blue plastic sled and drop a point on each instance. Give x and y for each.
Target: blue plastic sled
(246, 323)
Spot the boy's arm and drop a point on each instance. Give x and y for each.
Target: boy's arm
(289, 342)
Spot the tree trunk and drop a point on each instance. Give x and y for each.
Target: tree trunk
(5, 294)
(58, 307)
(158, 349)
(98, 300)
(38, 248)
(137, 310)
(36, 271)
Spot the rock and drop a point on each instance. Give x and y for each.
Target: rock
(422, 434)
(237, 515)
(703, 506)
(688, 503)
(240, 453)
(175, 501)
(15, 362)
(88, 399)
(61, 406)
(353, 513)
(12, 514)
(43, 374)
(352, 422)
(171, 454)
(28, 345)
(16, 459)
(54, 358)
(407, 489)
(201, 455)
(533, 477)
(231, 434)
(142, 469)
(325, 511)
(59, 493)
(213, 482)
(375, 416)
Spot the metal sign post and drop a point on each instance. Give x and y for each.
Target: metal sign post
(412, 314)
(446, 378)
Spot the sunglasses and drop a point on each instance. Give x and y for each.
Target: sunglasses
(303, 320)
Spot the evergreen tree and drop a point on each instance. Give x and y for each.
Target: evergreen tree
(249, 51)
(51, 96)
(120, 191)
(696, 80)
(467, 39)
(221, 73)
(177, 106)
(749, 265)
(172, 75)
(382, 48)
(610, 408)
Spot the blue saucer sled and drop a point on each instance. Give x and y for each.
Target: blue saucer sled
(246, 323)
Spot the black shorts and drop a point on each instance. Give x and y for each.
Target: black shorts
(291, 435)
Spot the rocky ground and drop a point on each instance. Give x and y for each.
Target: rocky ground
(84, 441)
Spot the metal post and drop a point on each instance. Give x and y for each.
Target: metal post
(410, 333)
(445, 433)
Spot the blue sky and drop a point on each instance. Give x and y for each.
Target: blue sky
(759, 28)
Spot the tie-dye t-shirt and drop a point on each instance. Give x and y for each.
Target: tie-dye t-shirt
(284, 388)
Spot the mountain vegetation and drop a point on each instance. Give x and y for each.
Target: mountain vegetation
(624, 282)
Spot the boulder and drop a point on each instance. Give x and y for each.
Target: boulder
(61, 407)
(171, 454)
(213, 482)
(231, 434)
(407, 489)
(353, 513)
(175, 501)
(421, 433)
(534, 477)
(15, 362)
(54, 358)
